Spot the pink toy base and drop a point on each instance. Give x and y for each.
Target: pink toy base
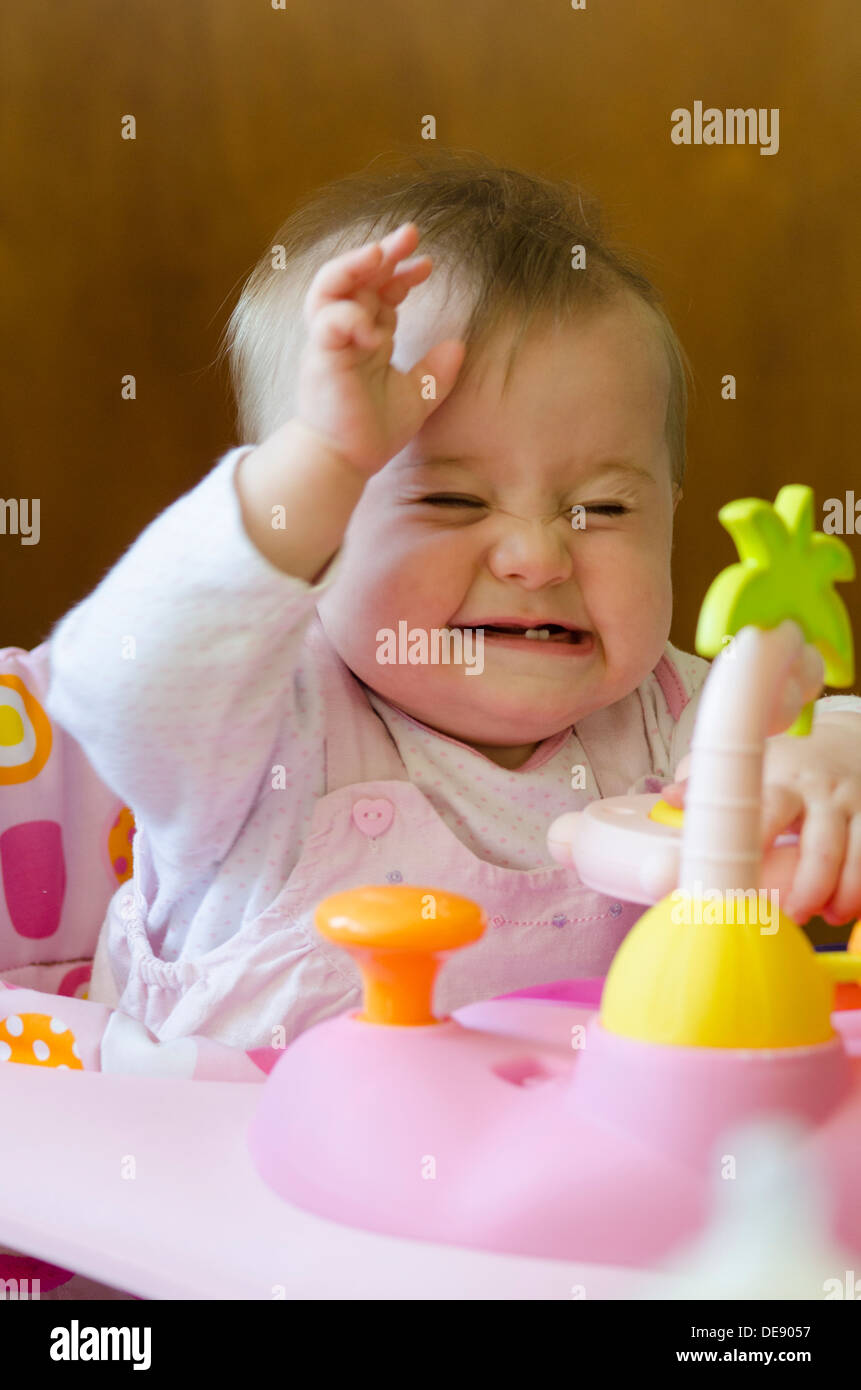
(189, 1226)
(198, 1222)
(602, 1154)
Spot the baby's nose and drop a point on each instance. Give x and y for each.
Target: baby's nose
(531, 551)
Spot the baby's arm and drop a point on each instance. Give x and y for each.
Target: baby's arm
(177, 674)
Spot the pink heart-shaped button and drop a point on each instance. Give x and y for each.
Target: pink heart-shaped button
(373, 817)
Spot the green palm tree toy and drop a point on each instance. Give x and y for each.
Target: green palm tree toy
(785, 570)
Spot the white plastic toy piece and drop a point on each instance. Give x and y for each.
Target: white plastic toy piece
(617, 849)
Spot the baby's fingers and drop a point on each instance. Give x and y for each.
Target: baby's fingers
(845, 904)
(674, 794)
(822, 851)
(781, 807)
(411, 273)
(365, 267)
(341, 277)
(341, 325)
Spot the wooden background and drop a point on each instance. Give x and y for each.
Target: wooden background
(122, 256)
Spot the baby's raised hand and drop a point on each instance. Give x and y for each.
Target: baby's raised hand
(812, 785)
(348, 391)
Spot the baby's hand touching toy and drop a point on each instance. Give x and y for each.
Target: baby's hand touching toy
(812, 785)
(348, 391)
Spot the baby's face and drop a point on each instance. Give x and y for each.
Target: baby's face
(456, 530)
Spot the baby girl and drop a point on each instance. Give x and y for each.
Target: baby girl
(486, 444)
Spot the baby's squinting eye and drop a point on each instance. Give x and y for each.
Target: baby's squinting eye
(450, 500)
(447, 500)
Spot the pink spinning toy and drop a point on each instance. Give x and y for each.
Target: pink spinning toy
(392, 1154)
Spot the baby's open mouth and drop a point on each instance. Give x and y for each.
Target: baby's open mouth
(546, 632)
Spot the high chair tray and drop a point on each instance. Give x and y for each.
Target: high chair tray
(196, 1220)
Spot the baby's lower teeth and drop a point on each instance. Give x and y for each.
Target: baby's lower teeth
(542, 633)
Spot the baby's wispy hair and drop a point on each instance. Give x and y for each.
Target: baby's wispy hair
(505, 237)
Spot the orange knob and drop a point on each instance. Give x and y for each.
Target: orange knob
(398, 937)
